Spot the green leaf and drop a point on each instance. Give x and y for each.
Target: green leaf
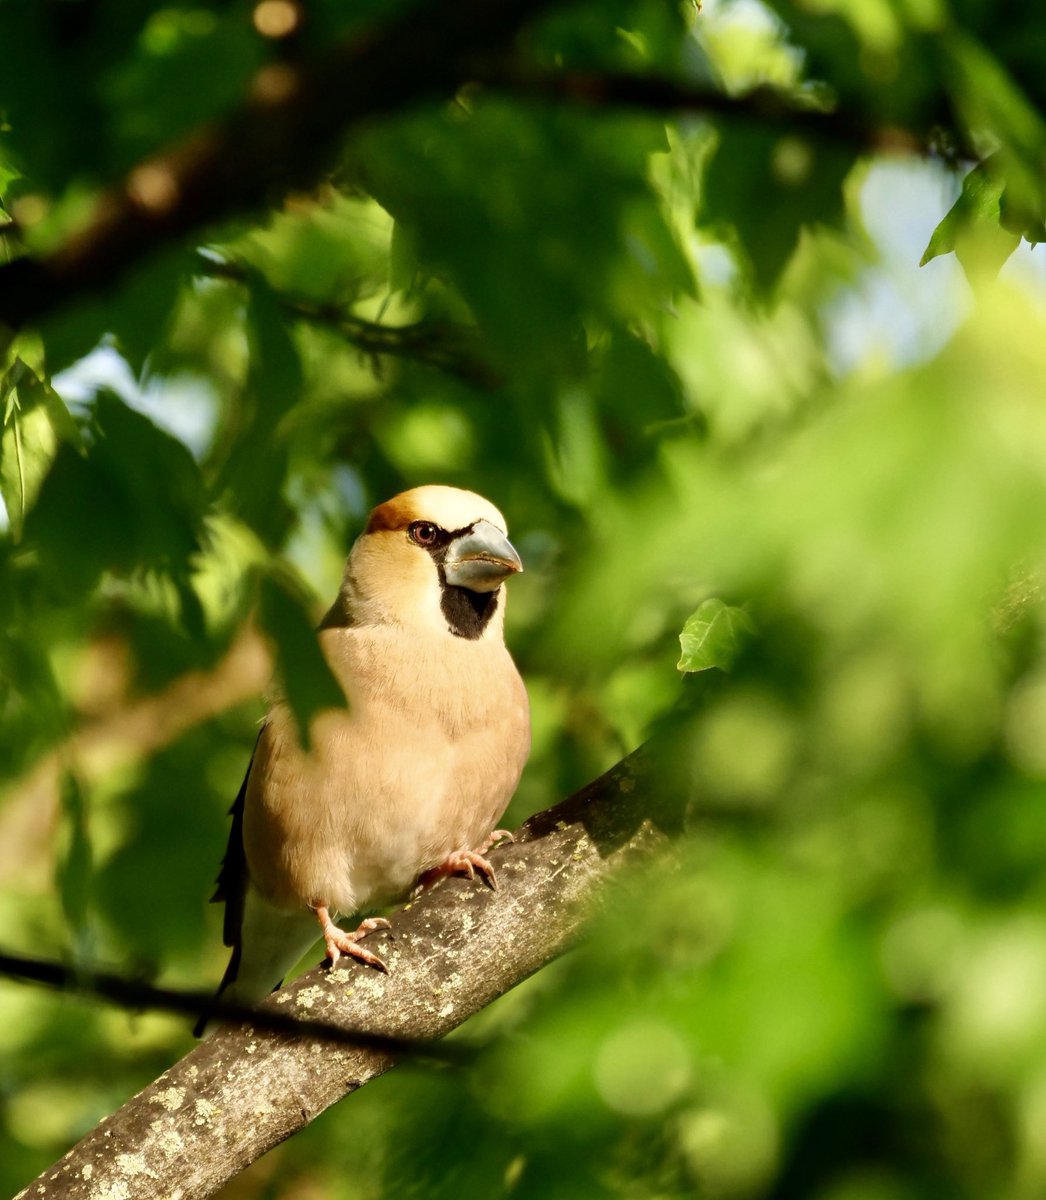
(35, 421)
(403, 260)
(74, 859)
(135, 318)
(990, 97)
(713, 636)
(254, 476)
(765, 187)
(134, 501)
(308, 685)
(977, 214)
(529, 251)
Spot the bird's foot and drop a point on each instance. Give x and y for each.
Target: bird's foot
(499, 835)
(339, 942)
(460, 862)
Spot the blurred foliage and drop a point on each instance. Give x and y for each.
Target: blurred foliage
(695, 362)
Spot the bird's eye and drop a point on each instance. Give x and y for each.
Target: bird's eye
(423, 533)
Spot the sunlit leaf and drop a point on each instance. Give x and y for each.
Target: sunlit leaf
(713, 636)
(35, 421)
(978, 212)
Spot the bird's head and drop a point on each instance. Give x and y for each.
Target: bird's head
(433, 556)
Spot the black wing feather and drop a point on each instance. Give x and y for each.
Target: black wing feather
(232, 888)
(233, 876)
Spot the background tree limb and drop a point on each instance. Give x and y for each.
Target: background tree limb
(766, 105)
(284, 134)
(451, 954)
(445, 345)
(137, 995)
(279, 139)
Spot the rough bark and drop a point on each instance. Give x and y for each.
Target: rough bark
(450, 954)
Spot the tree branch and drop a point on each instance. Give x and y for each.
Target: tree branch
(286, 132)
(451, 953)
(137, 995)
(762, 105)
(280, 139)
(444, 345)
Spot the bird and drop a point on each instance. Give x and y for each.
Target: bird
(407, 783)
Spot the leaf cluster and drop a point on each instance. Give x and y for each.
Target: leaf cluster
(647, 276)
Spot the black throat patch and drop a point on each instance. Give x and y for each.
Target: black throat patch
(468, 613)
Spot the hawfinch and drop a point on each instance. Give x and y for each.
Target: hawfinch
(407, 783)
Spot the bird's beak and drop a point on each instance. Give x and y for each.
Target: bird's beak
(481, 559)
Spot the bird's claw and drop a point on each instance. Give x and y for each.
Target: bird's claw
(499, 835)
(338, 942)
(460, 862)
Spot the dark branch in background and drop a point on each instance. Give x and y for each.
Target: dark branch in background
(443, 345)
(762, 105)
(285, 135)
(136, 995)
(281, 139)
(450, 954)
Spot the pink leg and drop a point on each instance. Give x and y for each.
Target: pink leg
(464, 862)
(339, 942)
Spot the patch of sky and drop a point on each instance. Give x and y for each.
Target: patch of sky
(1027, 266)
(331, 510)
(182, 405)
(898, 312)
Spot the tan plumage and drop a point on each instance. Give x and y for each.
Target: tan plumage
(411, 778)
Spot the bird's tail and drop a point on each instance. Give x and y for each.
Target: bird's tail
(271, 942)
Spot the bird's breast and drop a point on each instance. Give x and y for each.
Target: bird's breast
(423, 762)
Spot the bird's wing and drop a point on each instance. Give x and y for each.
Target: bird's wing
(265, 941)
(233, 876)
